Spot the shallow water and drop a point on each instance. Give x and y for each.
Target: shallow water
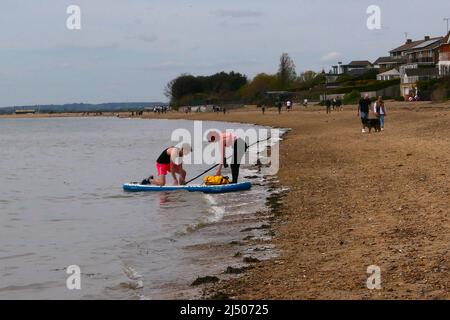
(61, 204)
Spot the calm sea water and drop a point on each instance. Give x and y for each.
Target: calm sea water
(62, 204)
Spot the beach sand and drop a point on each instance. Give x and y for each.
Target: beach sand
(355, 200)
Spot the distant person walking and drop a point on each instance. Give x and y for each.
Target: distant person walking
(333, 103)
(224, 110)
(279, 105)
(263, 108)
(363, 110)
(288, 105)
(379, 108)
(328, 105)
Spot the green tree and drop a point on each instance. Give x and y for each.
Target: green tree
(307, 76)
(352, 97)
(187, 89)
(255, 90)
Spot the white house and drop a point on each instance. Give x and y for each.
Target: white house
(388, 75)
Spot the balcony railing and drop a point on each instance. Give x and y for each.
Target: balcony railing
(421, 60)
(444, 56)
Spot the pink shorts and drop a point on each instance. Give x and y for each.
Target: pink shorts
(162, 168)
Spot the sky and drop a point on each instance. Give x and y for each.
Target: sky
(128, 50)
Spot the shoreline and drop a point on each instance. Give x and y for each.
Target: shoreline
(175, 115)
(354, 200)
(343, 214)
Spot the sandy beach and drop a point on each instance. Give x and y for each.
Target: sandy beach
(354, 200)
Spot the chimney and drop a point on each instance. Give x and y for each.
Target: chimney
(408, 41)
(427, 38)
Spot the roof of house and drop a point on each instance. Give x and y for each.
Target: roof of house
(387, 60)
(406, 46)
(360, 63)
(393, 72)
(421, 72)
(419, 44)
(428, 44)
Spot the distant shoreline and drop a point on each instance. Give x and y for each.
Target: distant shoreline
(65, 115)
(187, 116)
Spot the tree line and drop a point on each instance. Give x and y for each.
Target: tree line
(232, 87)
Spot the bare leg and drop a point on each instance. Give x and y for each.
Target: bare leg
(181, 174)
(160, 181)
(182, 177)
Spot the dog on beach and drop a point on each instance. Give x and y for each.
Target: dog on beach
(373, 124)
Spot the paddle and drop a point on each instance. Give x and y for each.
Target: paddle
(216, 165)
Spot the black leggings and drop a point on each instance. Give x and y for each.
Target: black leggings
(239, 149)
(235, 172)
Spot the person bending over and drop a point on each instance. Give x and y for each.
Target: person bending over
(227, 139)
(170, 160)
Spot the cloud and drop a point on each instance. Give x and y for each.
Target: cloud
(237, 13)
(330, 56)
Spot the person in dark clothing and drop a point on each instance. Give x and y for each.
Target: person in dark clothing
(328, 105)
(279, 105)
(239, 149)
(339, 104)
(363, 110)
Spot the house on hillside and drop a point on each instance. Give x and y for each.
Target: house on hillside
(418, 51)
(444, 57)
(354, 68)
(400, 52)
(420, 59)
(388, 75)
(388, 63)
(337, 69)
(358, 67)
(425, 53)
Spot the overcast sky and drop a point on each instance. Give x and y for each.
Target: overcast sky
(128, 50)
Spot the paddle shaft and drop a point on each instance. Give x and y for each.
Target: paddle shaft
(216, 165)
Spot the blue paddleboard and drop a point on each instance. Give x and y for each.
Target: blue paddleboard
(133, 187)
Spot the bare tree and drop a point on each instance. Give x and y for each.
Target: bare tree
(168, 89)
(286, 71)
